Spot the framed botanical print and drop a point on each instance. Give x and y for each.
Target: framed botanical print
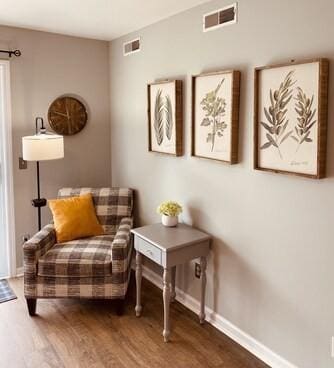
(165, 117)
(215, 115)
(290, 118)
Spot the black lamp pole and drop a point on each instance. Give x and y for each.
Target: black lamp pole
(39, 202)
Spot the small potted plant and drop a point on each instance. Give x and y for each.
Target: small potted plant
(169, 212)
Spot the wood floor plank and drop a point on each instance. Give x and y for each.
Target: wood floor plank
(44, 358)
(89, 334)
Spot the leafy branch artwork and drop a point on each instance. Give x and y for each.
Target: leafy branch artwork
(158, 118)
(168, 117)
(305, 113)
(277, 121)
(214, 107)
(163, 117)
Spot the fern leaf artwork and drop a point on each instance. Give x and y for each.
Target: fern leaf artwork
(158, 117)
(305, 119)
(168, 117)
(277, 122)
(214, 108)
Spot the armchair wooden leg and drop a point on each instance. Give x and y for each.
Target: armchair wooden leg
(120, 305)
(31, 303)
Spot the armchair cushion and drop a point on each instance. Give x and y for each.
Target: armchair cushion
(75, 218)
(89, 257)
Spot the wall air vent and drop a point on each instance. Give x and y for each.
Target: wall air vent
(220, 18)
(131, 47)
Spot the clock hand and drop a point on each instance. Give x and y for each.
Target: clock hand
(68, 117)
(60, 113)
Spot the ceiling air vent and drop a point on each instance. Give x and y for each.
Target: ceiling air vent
(131, 47)
(220, 18)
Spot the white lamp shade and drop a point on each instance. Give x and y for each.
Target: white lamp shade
(43, 147)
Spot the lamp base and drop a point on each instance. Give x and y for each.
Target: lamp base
(38, 202)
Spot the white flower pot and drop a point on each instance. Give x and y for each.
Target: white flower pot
(169, 221)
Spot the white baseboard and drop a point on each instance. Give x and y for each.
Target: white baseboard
(223, 325)
(19, 273)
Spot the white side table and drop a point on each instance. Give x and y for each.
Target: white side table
(168, 247)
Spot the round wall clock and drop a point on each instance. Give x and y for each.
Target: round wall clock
(67, 115)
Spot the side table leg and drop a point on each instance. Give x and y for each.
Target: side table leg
(203, 286)
(166, 297)
(173, 293)
(138, 308)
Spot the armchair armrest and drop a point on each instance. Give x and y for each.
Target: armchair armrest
(33, 249)
(120, 246)
(40, 243)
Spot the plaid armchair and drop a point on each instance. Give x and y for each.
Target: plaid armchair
(97, 267)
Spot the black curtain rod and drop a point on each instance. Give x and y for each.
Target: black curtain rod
(16, 53)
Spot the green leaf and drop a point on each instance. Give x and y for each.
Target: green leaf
(305, 137)
(312, 115)
(206, 122)
(293, 137)
(219, 85)
(284, 103)
(168, 117)
(221, 126)
(268, 116)
(310, 126)
(158, 118)
(271, 139)
(286, 136)
(266, 145)
(271, 97)
(266, 126)
(283, 128)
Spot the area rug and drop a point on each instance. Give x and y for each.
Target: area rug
(6, 293)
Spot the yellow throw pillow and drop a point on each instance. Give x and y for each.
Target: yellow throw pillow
(75, 218)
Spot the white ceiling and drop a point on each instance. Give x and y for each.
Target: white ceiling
(100, 19)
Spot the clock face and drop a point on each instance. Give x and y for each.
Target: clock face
(67, 116)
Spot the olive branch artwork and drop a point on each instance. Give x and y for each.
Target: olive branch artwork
(276, 116)
(277, 121)
(163, 117)
(214, 108)
(305, 113)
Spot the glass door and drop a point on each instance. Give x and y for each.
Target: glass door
(3, 246)
(7, 237)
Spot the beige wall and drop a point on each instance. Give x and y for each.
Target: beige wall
(271, 268)
(52, 65)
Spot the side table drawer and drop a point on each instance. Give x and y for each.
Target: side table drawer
(148, 250)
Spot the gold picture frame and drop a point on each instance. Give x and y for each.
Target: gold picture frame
(290, 118)
(215, 115)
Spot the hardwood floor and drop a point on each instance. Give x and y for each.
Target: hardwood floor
(73, 333)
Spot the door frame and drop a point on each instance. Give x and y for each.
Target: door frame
(8, 182)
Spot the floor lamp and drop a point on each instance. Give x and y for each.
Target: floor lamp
(42, 146)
